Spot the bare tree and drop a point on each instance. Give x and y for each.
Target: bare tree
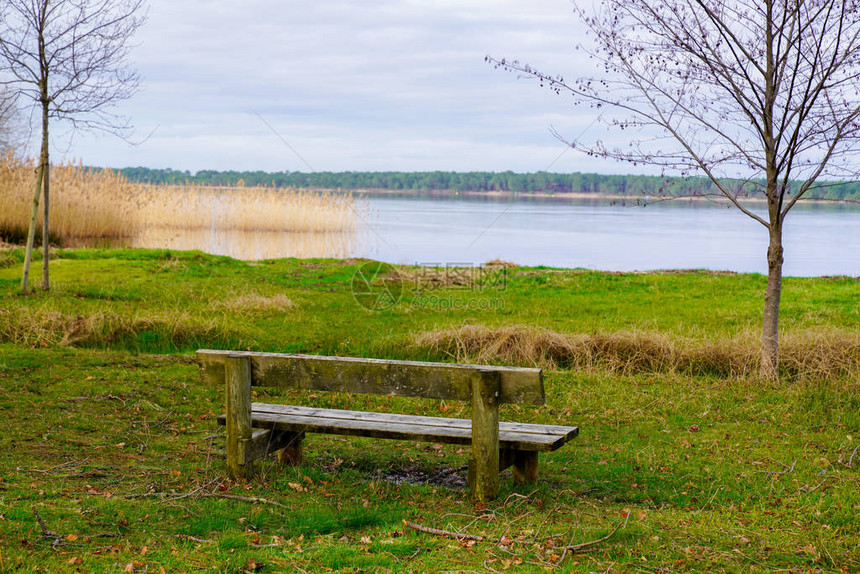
(69, 58)
(761, 96)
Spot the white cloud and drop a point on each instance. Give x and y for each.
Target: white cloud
(382, 85)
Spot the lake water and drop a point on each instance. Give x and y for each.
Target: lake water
(819, 239)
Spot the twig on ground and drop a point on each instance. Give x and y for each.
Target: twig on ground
(154, 423)
(447, 514)
(851, 460)
(774, 473)
(45, 532)
(251, 499)
(807, 490)
(115, 398)
(143, 495)
(197, 492)
(592, 543)
(440, 532)
(510, 523)
(518, 496)
(58, 538)
(192, 538)
(578, 493)
(542, 524)
(65, 465)
(170, 496)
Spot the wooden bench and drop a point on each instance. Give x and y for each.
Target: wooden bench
(257, 429)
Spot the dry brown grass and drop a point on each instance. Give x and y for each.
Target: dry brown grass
(254, 302)
(47, 327)
(90, 207)
(810, 353)
(500, 263)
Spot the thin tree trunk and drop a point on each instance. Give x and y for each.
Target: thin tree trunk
(770, 323)
(31, 234)
(46, 163)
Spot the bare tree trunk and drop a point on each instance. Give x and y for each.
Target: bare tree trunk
(31, 234)
(770, 322)
(46, 170)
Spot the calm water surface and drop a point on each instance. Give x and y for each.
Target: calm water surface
(819, 240)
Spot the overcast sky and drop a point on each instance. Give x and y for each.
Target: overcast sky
(372, 85)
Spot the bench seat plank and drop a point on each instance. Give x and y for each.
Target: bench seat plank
(514, 436)
(568, 432)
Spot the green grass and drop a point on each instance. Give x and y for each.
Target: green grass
(102, 403)
(177, 294)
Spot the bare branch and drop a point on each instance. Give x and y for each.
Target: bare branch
(697, 72)
(78, 50)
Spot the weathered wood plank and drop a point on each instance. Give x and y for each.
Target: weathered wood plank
(566, 432)
(377, 376)
(401, 431)
(237, 388)
(484, 463)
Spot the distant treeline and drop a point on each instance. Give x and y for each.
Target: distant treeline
(473, 181)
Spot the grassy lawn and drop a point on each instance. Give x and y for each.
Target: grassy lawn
(110, 436)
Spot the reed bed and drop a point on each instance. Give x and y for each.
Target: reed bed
(87, 205)
(96, 207)
(249, 245)
(811, 353)
(244, 209)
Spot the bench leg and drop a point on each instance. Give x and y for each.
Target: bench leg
(506, 459)
(237, 383)
(291, 454)
(484, 463)
(525, 466)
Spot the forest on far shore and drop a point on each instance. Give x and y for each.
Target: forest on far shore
(473, 181)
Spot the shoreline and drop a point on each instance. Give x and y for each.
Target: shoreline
(508, 266)
(572, 196)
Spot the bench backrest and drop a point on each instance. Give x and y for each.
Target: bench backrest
(375, 376)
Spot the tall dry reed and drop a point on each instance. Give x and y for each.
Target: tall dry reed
(94, 206)
(85, 204)
(244, 209)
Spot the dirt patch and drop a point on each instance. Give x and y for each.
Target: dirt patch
(447, 477)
